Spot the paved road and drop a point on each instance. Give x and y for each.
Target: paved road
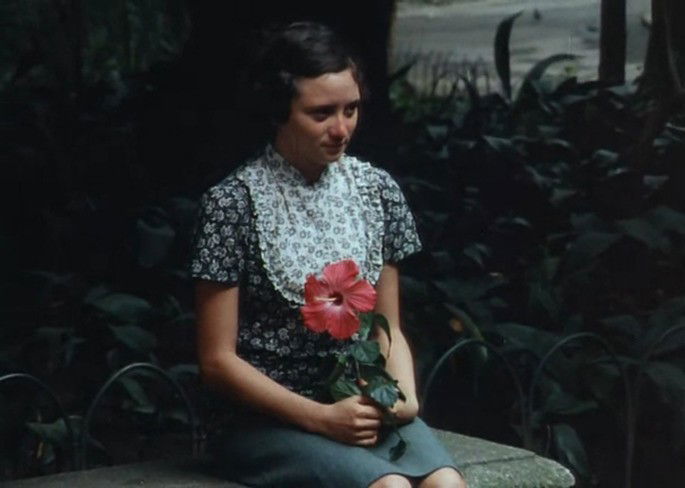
(466, 28)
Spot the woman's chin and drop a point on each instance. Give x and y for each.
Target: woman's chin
(333, 153)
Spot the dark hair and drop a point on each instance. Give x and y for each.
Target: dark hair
(288, 52)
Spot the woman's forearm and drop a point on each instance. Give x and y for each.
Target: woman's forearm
(400, 365)
(225, 371)
(235, 377)
(353, 420)
(396, 350)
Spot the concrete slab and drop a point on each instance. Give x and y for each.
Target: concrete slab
(485, 465)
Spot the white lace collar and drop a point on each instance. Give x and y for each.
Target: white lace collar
(303, 226)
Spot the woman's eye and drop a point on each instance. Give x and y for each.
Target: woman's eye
(320, 115)
(350, 111)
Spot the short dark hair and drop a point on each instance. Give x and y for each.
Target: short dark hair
(291, 51)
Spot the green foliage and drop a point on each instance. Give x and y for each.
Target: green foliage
(536, 226)
(94, 246)
(87, 42)
(502, 51)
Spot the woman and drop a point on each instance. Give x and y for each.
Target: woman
(300, 205)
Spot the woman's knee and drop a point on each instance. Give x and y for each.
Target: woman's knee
(444, 478)
(391, 481)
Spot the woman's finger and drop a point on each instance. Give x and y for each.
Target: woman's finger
(366, 424)
(366, 434)
(370, 441)
(370, 412)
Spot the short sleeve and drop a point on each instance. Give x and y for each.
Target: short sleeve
(400, 238)
(219, 247)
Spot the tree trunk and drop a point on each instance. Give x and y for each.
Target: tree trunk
(665, 62)
(612, 42)
(664, 75)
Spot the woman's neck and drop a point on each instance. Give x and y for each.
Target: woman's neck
(311, 171)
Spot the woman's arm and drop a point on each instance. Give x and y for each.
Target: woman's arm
(399, 362)
(353, 421)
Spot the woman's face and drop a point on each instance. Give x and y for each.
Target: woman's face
(323, 117)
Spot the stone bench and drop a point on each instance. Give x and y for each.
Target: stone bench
(485, 465)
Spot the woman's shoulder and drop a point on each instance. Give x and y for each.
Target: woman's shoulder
(226, 192)
(369, 170)
(376, 176)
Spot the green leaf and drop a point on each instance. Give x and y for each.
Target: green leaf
(365, 352)
(468, 324)
(587, 247)
(379, 320)
(541, 298)
(437, 132)
(626, 325)
(177, 413)
(154, 240)
(398, 450)
(472, 91)
(531, 87)
(134, 337)
(588, 222)
(667, 219)
(401, 72)
(669, 380)
(382, 390)
(570, 449)
(668, 313)
(344, 388)
(563, 403)
(338, 370)
(123, 307)
(467, 290)
(559, 196)
(502, 55)
(527, 337)
(536, 72)
(500, 144)
(604, 158)
(365, 325)
(643, 231)
(54, 433)
(369, 371)
(604, 382)
(184, 369)
(675, 340)
(136, 392)
(476, 252)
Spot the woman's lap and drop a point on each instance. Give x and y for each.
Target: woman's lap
(262, 452)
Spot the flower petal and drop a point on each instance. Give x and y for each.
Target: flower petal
(341, 274)
(361, 296)
(315, 316)
(314, 288)
(342, 322)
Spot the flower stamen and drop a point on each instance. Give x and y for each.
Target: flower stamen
(335, 299)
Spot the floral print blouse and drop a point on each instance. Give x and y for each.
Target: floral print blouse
(264, 228)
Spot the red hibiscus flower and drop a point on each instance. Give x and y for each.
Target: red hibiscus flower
(333, 301)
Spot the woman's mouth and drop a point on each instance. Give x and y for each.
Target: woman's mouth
(335, 147)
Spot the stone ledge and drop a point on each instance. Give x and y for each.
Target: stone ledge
(485, 464)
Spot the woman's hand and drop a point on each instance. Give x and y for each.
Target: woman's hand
(354, 420)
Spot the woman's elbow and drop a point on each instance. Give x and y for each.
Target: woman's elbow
(213, 368)
(406, 411)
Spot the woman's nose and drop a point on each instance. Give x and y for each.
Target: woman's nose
(338, 128)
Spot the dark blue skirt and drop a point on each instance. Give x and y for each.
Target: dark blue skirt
(262, 452)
